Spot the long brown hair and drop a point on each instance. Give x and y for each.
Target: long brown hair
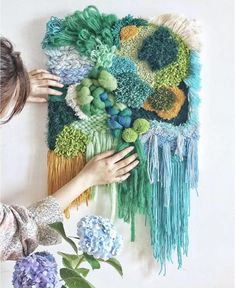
(14, 79)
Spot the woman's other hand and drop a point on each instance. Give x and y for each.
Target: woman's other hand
(41, 84)
(108, 167)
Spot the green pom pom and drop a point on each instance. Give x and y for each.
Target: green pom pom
(97, 92)
(70, 142)
(86, 82)
(129, 135)
(163, 99)
(141, 126)
(107, 81)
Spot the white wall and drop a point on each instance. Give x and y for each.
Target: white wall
(23, 145)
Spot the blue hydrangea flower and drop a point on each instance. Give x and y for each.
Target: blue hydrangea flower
(38, 270)
(98, 237)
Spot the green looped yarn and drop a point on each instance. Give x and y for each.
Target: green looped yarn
(163, 99)
(141, 126)
(71, 142)
(84, 30)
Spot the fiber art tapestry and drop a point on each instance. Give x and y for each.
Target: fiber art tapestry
(129, 81)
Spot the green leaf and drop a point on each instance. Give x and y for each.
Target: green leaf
(68, 273)
(92, 261)
(66, 263)
(59, 227)
(76, 282)
(83, 271)
(73, 259)
(116, 264)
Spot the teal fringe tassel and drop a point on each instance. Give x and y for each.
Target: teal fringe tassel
(169, 224)
(135, 194)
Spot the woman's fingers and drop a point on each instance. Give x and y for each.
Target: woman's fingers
(120, 155)
(41, 74)
(121, 178)
(46, 83)
(37, 71)
(126, 161)
(128, 168)
(45, 90)
(36, 99)
(105, 155)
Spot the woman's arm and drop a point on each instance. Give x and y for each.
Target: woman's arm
(23, 229)
(102, 169)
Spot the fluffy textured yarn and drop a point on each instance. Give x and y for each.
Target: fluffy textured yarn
(159, 49)
(71, 142)
(98, 237)
(37, 270)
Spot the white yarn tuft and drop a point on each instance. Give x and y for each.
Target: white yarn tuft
(71, 101)
(188, 29)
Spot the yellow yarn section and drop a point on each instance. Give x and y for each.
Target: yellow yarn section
(60, 171)
(173, 112)
(128, 32)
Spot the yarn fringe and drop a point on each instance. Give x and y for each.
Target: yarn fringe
(170, 207)
(188, 30)
(134, 194)
(101, 142)
(60, 171)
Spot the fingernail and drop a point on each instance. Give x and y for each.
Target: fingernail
(61, 85)
(131, 148)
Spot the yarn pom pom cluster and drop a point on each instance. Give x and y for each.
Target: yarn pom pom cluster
(129, 81)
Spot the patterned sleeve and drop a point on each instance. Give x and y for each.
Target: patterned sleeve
(23, 229)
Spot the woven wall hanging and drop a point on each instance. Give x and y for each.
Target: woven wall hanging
(129, 81)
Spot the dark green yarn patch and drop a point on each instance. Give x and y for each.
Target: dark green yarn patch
(132, 90)
(59, 115)
(163, 99)
(159, 49)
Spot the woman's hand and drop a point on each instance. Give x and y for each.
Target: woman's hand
(102, 169)
(40, 80)
(109, 167)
